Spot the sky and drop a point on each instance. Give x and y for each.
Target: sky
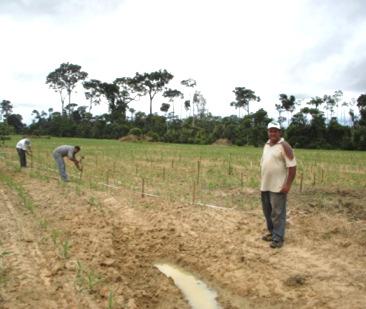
(305, 48)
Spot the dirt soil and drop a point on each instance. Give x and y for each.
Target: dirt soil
(81, 248)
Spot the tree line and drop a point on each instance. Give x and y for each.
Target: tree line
(314, 125)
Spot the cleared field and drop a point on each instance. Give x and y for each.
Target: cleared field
(95, 242)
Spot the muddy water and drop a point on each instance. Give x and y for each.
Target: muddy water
(196, 291)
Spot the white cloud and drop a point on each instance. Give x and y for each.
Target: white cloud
(271, 47)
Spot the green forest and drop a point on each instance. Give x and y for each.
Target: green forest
(315, 125)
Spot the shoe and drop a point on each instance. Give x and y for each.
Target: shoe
(267, 237)
(276, 244)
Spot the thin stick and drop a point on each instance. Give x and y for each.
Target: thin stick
(198, 171)
(143, 188)
(301, 180)
(194, 193)
(322, 175)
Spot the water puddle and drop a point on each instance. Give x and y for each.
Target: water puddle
(198, 294)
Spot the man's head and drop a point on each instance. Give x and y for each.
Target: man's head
(76, 149)
(274, 132)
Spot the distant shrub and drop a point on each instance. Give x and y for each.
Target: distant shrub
(5, 131)
(152, 136)
(135, 131)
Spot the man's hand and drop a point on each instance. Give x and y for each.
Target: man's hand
(77, 165)
(285, 189)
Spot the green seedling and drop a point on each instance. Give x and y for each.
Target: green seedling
(110, 300)
(93, 202)
(85, 279)
(2, 270)
(92, 279)
(43, 223)
(65, 249)
(55, 235)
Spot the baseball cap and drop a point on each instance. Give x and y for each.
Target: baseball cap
(274, 124)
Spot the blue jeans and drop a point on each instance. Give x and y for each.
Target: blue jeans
(274, 209)
(61, 166)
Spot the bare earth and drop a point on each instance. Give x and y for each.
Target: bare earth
(86, 249)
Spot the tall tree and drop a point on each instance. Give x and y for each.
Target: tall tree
(93, 92)
(280, 110)
(189, 83)
(6, 108)
(65, 79)
(164, 108)
(15, 121)
(317, 101)
(150, 83)
(243, 97)
(288, 103)
(361, 104)
(200, 102)
(171, 94)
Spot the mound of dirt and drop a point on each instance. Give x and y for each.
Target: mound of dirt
(135, 138)
(223, 141)
(130, 138)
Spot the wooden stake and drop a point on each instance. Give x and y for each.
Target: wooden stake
(143, 188)
(301, 180)
(322, 179)
(198, 171)
(194, 193)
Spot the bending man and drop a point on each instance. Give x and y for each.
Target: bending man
(65, 151)
(24, 148)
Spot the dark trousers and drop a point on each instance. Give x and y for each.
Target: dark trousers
(274, 210)
(22, 157)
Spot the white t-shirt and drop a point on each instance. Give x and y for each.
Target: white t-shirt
(23, 144)
(274, 166)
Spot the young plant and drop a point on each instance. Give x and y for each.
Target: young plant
(65, 249)
(2, 270)
(55, 235)
(110, 300)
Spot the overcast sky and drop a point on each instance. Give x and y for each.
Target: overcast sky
(299, 47)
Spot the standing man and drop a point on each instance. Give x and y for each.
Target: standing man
(24, 148)
(278, 170)
(69, 152)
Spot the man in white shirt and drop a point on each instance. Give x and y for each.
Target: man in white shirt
(278, 170)
(23, 148)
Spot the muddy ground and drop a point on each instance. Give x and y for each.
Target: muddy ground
(63, 246)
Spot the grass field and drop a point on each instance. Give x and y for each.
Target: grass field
(206, 174)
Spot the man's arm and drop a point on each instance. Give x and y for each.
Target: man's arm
(290, 178)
